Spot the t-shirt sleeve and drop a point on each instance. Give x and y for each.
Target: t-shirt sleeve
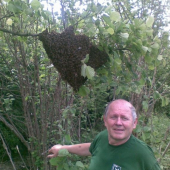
(93, 145)
(156, 167)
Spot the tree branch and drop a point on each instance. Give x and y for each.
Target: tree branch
(6, 148)
(17, 33)
(14, 129)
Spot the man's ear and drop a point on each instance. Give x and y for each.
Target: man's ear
(135, 123)
(104, 119)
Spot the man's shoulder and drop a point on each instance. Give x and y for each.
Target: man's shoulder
(140, 146)
(102, 135)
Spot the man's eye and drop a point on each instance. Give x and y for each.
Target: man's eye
(114, 117)
(124, 118)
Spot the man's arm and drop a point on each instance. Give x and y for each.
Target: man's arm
(78, 149)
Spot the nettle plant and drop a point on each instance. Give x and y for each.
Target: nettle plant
(66, 161)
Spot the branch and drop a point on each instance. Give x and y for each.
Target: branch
(6, 148)
(18, 34)
(6, 16)
(165, 151)
(14, 129)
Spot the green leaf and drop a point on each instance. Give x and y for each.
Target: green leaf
(151, 67)
(145, 105)
(11, 8)
(53, 161)
(143, 136)
(58, 161)
(63, 152)
(163, 101)
(79, 164)
(155, 46)
(65, 166)
(166, 101)
(67, 139)
(118, 61)
(35, 4)
(144, 48)
(86, 59)
(83, 91)
(90, 72)
(97, 22)
(83, 70)
(148, 59)
(142, 81)
(156, 95)
(150, 21)
(115, 16)
(147, 129)
(106, 19)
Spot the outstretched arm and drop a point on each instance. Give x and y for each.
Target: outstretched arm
(78, 149)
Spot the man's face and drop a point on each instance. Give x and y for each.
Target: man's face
(119, 122)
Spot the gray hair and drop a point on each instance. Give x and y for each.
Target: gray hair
(133, 110)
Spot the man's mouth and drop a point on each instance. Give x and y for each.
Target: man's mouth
(118, 130)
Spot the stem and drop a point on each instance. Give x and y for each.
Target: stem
(19, 34)
(9, 154)
(21, 157)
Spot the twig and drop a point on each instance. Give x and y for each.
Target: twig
(5, 147)
(21, 157)
(165, 151)
(18, 34)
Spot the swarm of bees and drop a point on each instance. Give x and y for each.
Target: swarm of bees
(66, 50)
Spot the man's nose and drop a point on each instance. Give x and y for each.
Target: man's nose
(118, 121)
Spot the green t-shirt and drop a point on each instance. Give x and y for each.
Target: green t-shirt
(132, 155)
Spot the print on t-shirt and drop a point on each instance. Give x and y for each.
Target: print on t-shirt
(116, 167)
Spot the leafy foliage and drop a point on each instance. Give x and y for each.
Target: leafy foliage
(41, 109)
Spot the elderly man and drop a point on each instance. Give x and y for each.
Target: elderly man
(115, 148)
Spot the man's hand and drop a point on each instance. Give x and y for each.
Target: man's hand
(78, 149)
(53, 152)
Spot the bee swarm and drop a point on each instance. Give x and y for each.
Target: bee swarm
(66, 50)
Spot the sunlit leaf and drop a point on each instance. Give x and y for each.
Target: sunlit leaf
(149, 21)
(79, 164)
(110, 31)
(155, 45)
(159, 57)
(144, 48)
(151, 67)
(90, 72)
(35, 4)
(9, 21)
(124, 35)
(83, 70)
(86, 59)
(115, 16)
(63, 152)
(118, 61)
(156, 95)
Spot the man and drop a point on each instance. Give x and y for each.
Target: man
(115, 148)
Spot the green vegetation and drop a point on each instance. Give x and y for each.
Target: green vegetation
(38, 109)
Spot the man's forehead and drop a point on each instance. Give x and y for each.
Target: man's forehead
(121, 104)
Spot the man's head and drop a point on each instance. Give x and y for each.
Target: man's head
(120, 119)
